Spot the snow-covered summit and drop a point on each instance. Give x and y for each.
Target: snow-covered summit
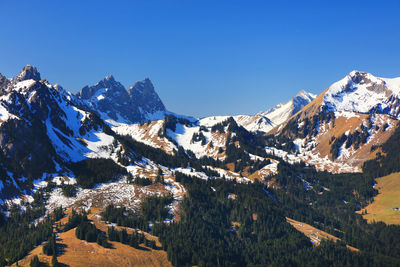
(361, 92)
(264, 122)
(283, 111)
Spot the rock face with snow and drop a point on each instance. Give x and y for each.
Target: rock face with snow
(111, 100)
(253, 123)
(361, 92)
(41, 131)
(263, 122)
(283, 111)
(345, 123)
(43, 127)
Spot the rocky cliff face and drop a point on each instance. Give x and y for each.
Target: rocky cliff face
(4, 82)
(28, 73)
(111, 100)
(143, 94)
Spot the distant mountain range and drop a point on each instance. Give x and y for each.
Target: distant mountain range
(108, 145)
(43, 127)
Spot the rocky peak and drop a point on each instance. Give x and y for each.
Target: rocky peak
(361, 92)
(27, 73)
(360, 77)
(143, 93)
(106, 83)
(301, 100)
(142, 86)
(110, 99)
(4, 82)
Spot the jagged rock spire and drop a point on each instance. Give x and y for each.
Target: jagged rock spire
(28, 72)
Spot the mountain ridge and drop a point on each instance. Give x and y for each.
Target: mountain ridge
(65, 151)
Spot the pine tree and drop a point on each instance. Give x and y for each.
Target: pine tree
(35, 262)
(54, 261)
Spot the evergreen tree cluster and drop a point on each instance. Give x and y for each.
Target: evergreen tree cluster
(69, 190)
(205, 235)
(18, 235)
(87, 231)
(354, 139)
(124, 217)
(89, 172)
(388, 161)
(197, 137)
(74, 220)
(331, 206)
(50, 247)
(133, 240)
(152, 209)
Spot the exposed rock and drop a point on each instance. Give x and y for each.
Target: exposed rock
(4, 82)
(111, 100)
(28, 72)
(145, 96)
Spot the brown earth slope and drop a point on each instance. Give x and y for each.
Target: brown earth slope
(78, 252)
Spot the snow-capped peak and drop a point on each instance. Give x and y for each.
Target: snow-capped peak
(283, 111)
(306, 95)
(364, 93)
(301, 100)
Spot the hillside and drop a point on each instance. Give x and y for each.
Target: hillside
(344, 126)
(76, 252)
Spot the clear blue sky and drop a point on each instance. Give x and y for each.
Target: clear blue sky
(204, 57)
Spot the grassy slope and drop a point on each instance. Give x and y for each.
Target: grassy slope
(81, 253)
(387, 199)
(315, 234)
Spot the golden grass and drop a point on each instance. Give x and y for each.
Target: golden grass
(81, 253)
(315, 234)
(388, 198)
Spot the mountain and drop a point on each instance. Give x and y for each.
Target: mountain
(361, 92)
(283, 111)
(265, 121)
(343, 127)
(113, 102)
(107, 156)
(41, 131)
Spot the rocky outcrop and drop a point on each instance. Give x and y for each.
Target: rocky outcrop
(27, 73)
(143, 94)
(111, 100)
(4, 82)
